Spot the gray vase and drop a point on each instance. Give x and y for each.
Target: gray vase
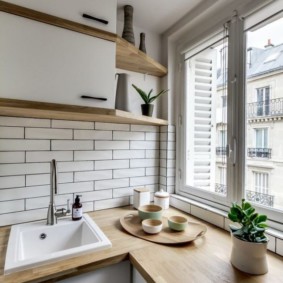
(128, 32)
(142, 42)
(122, 96)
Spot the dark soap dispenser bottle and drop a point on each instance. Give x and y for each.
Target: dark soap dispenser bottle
(77, 210)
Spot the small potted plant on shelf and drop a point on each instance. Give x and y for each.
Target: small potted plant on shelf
(148, 98)
(248, 238)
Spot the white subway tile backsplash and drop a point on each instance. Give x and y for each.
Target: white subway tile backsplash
(38, 179)
(147, 162)
(11, 133)
(62, 124)
(23, 216)
(144, 128)
(164, 137)
(148, 180)
(171, 145)
(93, 155)
(163, 171)
(163, 180)
(128, 136)
(75, 187)
(128, 154)
(24, 122)
(171, 163)
(144, 145)
(112, 145)
(44, 179)
(122, 192)
(47, 156)
(12, 157)
(126, 173)
(171, 154)
(20, 145)
(12, 206)
(163, 145)
(111, 184)
(151, 153)
(111, 126)
(88, 206)
(71, 145)
(170, 172)
(92, 135)
(96, 195)
(102, 161)
(152, 171)
(24, 168)
(11, 182)
(44, 133)
(111, 164)
(74, 166)
(93, 175)
(41, 202)
(111, 203)
(24, 192)
(152, 136)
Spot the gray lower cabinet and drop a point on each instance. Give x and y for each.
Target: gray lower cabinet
(118, 273)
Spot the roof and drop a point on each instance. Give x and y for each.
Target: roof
(259, 62)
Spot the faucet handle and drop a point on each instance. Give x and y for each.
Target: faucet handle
(68, 206)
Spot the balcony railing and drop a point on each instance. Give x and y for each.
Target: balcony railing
(259, 152)
(271, 107)
(220, 189)
(220, 150)
(256, 197)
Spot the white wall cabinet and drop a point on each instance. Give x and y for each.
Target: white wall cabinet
(45, 63)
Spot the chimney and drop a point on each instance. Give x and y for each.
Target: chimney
(269, 44)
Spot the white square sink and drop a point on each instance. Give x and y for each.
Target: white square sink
(35, 243)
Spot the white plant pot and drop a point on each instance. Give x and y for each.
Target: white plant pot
(249, 257)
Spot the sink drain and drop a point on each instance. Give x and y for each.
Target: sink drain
(42, 236)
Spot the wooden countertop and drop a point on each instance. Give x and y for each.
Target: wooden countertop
(204, 260)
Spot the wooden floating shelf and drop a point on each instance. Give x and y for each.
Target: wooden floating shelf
(34, 109)
(128, 57)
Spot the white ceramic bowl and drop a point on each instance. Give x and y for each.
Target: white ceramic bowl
(152, 226)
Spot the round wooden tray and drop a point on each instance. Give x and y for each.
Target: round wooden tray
(132, 224)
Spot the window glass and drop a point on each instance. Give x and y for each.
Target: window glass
(264, 122)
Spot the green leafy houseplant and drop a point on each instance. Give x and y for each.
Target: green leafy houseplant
(252, 225)
(147, 97)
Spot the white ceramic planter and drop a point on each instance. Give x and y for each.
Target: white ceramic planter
(249, 257)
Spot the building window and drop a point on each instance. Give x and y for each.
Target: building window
(261, 144)
(260, 182)
(263, 101)
(260, 191)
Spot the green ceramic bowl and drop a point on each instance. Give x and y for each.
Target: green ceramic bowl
(177, 223)
(150, 211)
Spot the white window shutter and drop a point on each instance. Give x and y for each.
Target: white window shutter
(201, 99)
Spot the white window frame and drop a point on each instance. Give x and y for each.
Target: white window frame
(237, 131)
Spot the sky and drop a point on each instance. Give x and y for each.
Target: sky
(272, 31)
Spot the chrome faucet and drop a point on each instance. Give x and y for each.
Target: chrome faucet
(53, 213)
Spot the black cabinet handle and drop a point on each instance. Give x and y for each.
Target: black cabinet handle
(95, 19)
(93, 97)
